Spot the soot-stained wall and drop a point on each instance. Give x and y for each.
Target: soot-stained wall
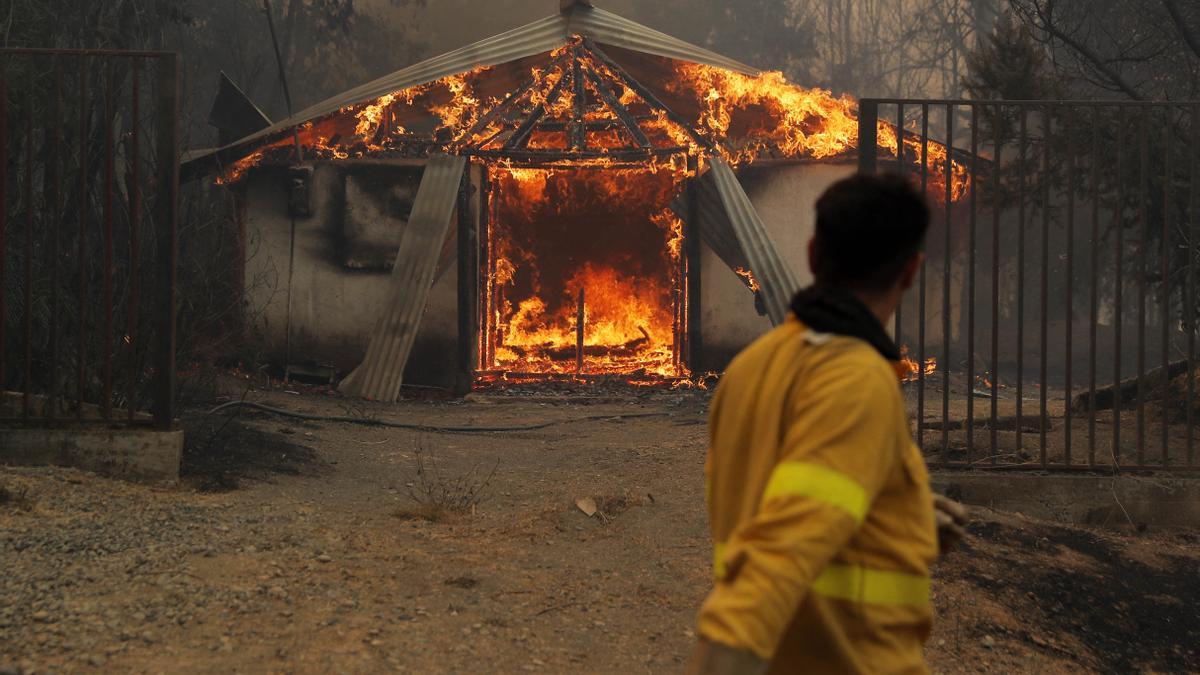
(341, 277)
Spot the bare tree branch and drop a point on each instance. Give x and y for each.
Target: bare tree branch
(1189, 36)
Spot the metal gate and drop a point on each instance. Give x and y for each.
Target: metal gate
(88, 208)
(1059, 297)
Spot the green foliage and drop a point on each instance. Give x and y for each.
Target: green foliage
(1009, 65)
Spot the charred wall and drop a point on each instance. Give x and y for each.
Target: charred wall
(341, 277)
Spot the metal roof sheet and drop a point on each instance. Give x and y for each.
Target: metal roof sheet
(542, 36)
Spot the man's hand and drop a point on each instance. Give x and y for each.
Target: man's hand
(951, 522)
(710, 658)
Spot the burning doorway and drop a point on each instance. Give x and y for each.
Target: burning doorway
(584, 273)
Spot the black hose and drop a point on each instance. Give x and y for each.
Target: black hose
(375, 422)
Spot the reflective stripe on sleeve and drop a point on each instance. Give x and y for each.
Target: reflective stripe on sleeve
(855, 583)
(802, 479)
(874, 587)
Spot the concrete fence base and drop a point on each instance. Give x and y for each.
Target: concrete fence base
(142, 455)
(1156, 501)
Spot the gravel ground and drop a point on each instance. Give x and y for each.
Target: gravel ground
(313, 548)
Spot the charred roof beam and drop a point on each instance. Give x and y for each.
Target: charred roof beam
(521, 135)
(622, 113)
(578, 133)
(647, 95)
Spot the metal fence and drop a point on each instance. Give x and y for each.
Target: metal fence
(88, 211)
(1059, 294)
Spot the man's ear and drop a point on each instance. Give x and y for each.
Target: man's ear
(909, 277)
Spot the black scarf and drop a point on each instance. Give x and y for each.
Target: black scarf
(833, 310)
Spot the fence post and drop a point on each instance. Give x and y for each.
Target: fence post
(166, 223)
(868, 135)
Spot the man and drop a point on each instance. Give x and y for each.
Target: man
(821, 513)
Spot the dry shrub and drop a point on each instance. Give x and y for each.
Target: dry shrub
(16, 497)
(438, 496)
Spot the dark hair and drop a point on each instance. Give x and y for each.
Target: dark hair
(868, 228)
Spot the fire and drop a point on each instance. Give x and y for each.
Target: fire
(742, 117)
(913, 371)
(545, 258)
(748, 278)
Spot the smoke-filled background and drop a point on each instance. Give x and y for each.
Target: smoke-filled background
(1014, 49)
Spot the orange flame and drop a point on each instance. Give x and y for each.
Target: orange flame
(913, 371)
(748, 278)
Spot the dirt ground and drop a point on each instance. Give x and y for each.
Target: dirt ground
(297, 546)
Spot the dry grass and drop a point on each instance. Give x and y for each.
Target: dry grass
(440, 497)
(17, 497)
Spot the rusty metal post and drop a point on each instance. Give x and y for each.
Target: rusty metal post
(54, 209)
(1047, 125)
(1193, 233)
(3, 208)
(1094, 286)
(106, 339)
(1143, 246)
(898, 330)
(27, 310)
(167, 207)
(949, 176)
(81, 259)
(997, 169)
(868, 135)
(1165, 291)
(1069, 321)
(1022, 150)
(1118, 284)
(135, 222)
(972, 231)
(921, 301)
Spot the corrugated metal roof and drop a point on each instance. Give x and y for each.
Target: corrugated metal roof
(381, 373)
(539, 37)
(775, 278)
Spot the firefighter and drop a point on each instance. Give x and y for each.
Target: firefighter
(822, 518)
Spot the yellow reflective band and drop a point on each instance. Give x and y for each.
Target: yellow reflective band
(801, 479)
(719, 560)
(874, 587)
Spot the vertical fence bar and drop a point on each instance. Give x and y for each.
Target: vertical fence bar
(1165, 276)
(868, 135)
(1143, 246)
(106, 339)
(1022, 143)
(949, 180)
(972, 233)
(54, 209)
(997, 169)
(167, 232)
(1069, 299)
(924, 274)
(1193, 232)
(900, 169)
(3, 211)
(1118, 284)
(27, 310)
(135, 222)
(1045, 279)
(1094, 286)
(81, 259)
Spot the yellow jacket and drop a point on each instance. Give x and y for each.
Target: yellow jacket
(820, 508)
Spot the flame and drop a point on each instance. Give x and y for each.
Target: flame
(632, 312)
(748, 278)
(744, 118)
(913, 371)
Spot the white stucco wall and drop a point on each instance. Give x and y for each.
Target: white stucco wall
(333, 308)
(784, 197)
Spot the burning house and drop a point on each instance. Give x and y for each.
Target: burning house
(579, 197)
